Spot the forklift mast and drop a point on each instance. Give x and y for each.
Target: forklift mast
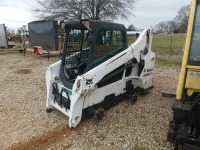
(189, 80)
(184, 129)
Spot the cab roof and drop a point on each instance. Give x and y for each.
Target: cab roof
(91, 24)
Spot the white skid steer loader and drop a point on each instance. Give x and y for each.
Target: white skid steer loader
(98, 70)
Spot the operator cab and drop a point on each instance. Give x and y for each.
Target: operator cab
(184, 129)
(88, 43)
(194, 56)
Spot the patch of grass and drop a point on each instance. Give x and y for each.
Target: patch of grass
(168, 60)
(140, 147)
(163, 62)
(131, 39)
(158, 140)
(23, 71)
(162, 42)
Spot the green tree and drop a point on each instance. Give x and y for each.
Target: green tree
(131, 28)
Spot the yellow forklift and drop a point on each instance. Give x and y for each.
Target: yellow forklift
(184, 129)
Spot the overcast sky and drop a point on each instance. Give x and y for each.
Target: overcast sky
(15, 13)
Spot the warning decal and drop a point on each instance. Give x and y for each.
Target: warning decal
(194, 73)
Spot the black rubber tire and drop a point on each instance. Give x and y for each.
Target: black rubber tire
(99, 114)
(134, 99)
(48, 110)
(141, 91)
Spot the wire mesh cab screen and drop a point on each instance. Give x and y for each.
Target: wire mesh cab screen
(77, 47)
(76, 53)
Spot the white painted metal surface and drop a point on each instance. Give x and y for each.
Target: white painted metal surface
(3, 37)
(88, 94)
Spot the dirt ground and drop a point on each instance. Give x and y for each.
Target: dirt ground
(26, 125)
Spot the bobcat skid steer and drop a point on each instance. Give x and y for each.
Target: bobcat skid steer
(98, 69)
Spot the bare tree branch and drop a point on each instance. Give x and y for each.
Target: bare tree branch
(79, 9)
(178, 24)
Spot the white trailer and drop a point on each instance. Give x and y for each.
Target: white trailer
(3, 37)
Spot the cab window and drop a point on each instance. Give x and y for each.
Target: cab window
(194, 58)
(108, 44)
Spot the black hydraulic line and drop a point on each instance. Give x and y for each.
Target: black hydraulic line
(66, 93)
(58, 96)
(192, 114)
(199, 121)
(55, 91)
(196, 100)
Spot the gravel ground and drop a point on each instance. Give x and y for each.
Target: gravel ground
(138, 126)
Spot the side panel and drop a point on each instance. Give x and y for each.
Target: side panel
(51, 73)
(3, 38)
(193, 80)
(44, 33)
(98, 94)
(147, 74)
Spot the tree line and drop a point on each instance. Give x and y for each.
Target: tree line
(176, 25)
